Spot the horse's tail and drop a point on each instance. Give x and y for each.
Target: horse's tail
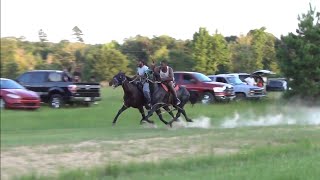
(194, 96)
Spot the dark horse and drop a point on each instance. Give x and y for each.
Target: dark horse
(161, 97)
(133, 97)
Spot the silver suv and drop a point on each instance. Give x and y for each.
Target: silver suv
(241, 89)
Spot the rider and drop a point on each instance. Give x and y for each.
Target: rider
(141, 72)
(166, 76)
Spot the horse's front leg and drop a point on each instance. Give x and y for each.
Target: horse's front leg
(143, 116)
(123, 108)
(152, 110)
(158, 111)
(169, 111)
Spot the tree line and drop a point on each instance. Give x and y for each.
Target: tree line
(296, 56)
(206, 53)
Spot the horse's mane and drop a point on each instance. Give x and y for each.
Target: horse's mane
(129, 78)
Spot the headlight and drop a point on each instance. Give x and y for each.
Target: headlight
(219, 89)
(13, 96)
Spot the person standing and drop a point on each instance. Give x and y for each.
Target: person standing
(250, 80)
(77, 75)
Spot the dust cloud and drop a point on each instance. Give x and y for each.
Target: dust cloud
(292, 115)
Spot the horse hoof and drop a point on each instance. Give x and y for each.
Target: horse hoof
(113, 124)
(189, 120)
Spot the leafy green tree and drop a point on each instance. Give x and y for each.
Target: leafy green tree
(220, 56)
(200, 50)
(259, 39)
(299, 56)
(106, 61)
(180, 60)
(138, 47)
(269, 60)
(242, 55)
(11, 70)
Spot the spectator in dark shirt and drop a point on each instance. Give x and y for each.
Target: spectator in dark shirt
(77, 75)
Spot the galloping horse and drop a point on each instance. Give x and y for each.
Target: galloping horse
(161, 96)
(133, 97)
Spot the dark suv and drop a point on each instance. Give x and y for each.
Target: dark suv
(56, 88)
(208, 90)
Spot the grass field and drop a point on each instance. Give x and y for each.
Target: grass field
(80, 143)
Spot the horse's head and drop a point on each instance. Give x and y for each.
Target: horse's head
(117, 80)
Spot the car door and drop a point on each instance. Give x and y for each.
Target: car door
(189, 82)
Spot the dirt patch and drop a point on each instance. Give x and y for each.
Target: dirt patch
(49, 159)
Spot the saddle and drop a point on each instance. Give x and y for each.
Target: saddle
(176, 87)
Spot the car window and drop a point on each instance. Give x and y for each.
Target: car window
(242, 77)
(186, 78)
(38, 77)
(202, 77)
(9, 84)
(25, 78)
(234, 80)
(55, 77)
(221, 79)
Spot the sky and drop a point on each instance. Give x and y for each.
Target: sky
(102, 21)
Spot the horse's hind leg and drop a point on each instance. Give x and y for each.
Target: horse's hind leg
(158, 111)
(184, 114)
(123, 108)
(169, 111)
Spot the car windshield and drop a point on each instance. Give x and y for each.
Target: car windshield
(9, 84)
(202, 77)
(234, 80)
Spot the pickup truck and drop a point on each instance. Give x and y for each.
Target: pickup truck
(56, 88)
(241, 89)
(207, 90)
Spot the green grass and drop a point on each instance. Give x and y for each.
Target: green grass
(75, 124)
(276, 152)
(297, 161)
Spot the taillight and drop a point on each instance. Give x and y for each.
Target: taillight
(72, 88)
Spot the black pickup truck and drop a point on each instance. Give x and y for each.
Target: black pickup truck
(56, 88)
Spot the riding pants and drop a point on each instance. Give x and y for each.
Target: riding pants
(146, 92)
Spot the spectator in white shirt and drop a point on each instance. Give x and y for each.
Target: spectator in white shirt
(250, 81)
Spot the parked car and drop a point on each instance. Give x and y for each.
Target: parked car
(277, 85)
(241, 89)
(15, 96)
(241, 76)
(56, 88)
(207, 90)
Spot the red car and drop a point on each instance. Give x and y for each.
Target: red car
(15, 96)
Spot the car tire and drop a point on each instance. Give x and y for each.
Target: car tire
(56, 101)
(2, 104)
(207, 98)
(87, 104)
(240, 96)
